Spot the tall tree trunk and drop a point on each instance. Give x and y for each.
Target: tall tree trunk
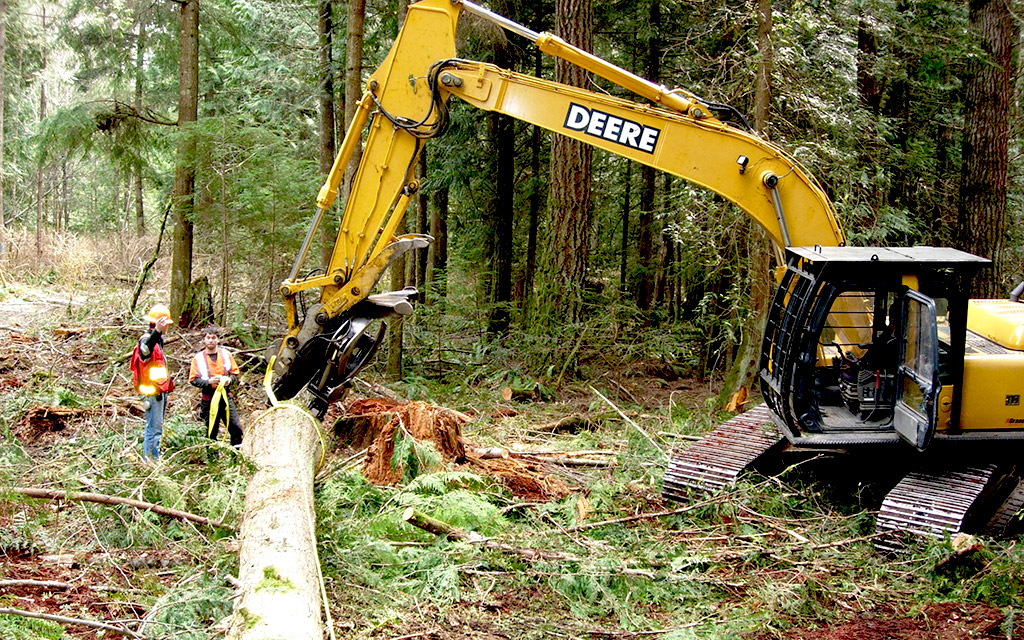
(981, 212)
(3, 97)
(423, 220)
(140, 48)
(325, 32)
(501, 207)
(395, 369)
(535, 202)
(40, 214)
(184, 171)
(501, 212)
(627, 207)
(645, 254)
(567, 254)
(65, 196)
(437, 253)
(897, 109)
(754, 242)
(645, 242)
(868, 85)
(353, 79)
(225, 247)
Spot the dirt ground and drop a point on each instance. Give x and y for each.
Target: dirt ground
(945, 621)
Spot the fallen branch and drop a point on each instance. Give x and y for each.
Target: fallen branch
(57, 494)
(41, 584)
(768, 521)
(64, 620)
(546, 457)
(568, 424)
(441, 528)
(631, 423)
(646, 516)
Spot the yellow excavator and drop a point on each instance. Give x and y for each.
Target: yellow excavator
(864, 348)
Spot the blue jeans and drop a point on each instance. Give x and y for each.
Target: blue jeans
(154, 425)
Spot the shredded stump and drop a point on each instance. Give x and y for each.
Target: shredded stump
(373, 423)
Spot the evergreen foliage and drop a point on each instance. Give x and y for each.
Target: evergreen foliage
(868, 95)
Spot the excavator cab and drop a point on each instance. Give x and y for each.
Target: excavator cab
(866, 345)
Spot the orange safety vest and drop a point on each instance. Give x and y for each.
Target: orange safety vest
(204, 367)
(151, 375)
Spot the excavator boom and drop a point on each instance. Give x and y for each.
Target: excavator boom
(405, 104)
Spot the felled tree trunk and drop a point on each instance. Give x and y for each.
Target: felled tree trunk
(278, 573)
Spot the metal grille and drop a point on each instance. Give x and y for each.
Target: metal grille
(783, 332)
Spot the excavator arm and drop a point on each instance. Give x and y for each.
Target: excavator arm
(406, 103)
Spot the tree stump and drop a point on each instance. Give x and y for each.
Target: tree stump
(197, 310)
(278, 573)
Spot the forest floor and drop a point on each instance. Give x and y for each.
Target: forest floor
(737, 571)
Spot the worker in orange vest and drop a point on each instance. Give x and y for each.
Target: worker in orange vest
(212, 372)
(152, 379)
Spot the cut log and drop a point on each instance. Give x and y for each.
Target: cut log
(278, 569)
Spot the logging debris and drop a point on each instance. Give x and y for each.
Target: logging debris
(372, 424)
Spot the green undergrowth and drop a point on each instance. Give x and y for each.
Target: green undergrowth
(789, 548)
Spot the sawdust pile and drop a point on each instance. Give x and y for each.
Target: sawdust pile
(372, 424)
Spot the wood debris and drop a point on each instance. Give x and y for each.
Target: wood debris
(373, 423)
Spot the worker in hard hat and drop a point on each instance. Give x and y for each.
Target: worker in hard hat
(152, 379)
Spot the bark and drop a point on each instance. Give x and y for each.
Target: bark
(278, 572)
(645, 242)
(325, 22)
(569, 197)
(763, 96)
(225, 247)
(197, 307)
(981, 212)
(184, 172)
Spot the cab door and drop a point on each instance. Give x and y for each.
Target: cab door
(917, 379)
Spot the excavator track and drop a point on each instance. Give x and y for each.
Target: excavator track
(1002, 519)
(716, 460)
(929, 503)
